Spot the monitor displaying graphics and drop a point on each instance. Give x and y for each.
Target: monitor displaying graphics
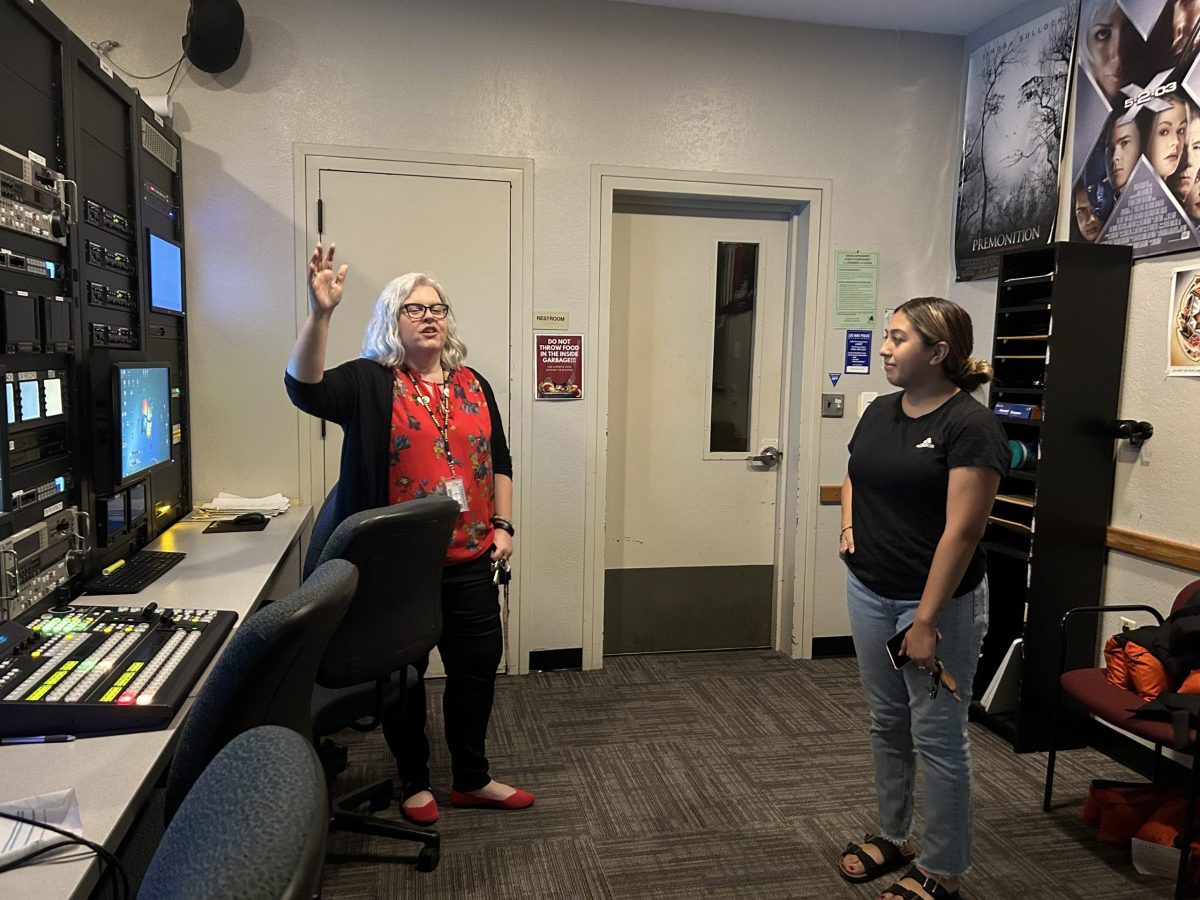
(166, 275)
(53, 389)
(31, 400)
(143, 405)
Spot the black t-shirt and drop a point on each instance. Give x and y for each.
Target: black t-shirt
(899, 474)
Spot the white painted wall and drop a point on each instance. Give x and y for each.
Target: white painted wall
(1156, 491)
(567, 84)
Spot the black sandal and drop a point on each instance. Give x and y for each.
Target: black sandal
(893, 858)
(929, 885)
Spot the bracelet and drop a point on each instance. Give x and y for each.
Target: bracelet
(504, 525)
(844, 530)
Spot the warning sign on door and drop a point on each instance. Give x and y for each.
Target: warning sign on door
(559, 366)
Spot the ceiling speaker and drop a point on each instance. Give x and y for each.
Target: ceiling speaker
(214, 34)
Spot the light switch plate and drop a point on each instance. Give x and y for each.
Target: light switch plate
(833, 406)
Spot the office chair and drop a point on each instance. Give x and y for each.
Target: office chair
(323, 527)
(252, 827)
(1091, 689)
(394, 621)
(264, 676)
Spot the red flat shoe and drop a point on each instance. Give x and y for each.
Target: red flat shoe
(421, 815)
(518, 799)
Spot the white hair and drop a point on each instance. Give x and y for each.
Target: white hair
(381, 340)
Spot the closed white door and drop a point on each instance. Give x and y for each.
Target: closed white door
(454, 228)
(458, 223)
(695, 374)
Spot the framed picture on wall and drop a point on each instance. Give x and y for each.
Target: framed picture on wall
(1136, 132)
(1012, 142)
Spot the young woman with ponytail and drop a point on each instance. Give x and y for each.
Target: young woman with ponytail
(925, 463)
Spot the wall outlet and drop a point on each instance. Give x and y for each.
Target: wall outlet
(833, 406)
(1127, 623)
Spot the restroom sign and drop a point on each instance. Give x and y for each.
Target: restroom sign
(559, 365)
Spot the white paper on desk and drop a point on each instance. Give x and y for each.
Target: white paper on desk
(231, 503)
(18, 839)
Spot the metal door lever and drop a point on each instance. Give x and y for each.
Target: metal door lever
(768, 459)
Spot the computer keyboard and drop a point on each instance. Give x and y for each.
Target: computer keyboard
(143, 568)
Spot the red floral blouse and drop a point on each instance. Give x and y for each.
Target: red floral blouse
(420, 463)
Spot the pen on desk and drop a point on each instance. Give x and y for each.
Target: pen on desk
(39, 739)
(110, 569)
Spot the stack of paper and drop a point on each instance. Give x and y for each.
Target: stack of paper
(229, 505)
(20, 839)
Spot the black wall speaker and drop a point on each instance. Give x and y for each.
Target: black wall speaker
(214, 34)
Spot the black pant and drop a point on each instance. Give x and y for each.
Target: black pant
(471, 645)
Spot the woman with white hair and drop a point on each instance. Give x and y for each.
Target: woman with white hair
(418, 421)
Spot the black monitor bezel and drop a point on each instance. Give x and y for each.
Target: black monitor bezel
(166, 311)
(120, 480)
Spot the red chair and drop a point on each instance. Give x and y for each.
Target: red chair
(1091, 689)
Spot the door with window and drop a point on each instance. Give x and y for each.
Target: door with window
(694, 441)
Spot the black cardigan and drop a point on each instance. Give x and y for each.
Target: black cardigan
(358, 396)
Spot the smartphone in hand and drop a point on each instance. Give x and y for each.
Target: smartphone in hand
(899, 660)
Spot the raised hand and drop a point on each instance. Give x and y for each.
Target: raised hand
(324, 286)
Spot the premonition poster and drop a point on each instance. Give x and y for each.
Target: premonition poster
(1012, 142)
(1137, 126)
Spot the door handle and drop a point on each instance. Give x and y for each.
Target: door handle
(768, 459)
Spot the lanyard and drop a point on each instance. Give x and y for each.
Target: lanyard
(443, 426)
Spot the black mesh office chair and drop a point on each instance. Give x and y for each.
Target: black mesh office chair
(253, 826)
(264, 676)
(394, 621)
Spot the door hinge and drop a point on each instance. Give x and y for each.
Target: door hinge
(321, 228)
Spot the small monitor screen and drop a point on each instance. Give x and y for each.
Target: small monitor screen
(31, 401)
(115, 514)
(137, 501)
(10, 397)
(144, 409)
(166, 275)
(52, 387)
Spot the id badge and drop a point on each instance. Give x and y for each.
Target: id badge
(457, 491)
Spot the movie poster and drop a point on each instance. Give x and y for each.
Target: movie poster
(1183, 324)
(1137, 126)
(1012, 142)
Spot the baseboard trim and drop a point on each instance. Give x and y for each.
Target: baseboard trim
(829, 647)
(555, 660)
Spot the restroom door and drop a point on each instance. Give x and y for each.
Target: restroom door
(695, 374)
(388, 223)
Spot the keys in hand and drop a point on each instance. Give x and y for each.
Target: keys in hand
(501, 572)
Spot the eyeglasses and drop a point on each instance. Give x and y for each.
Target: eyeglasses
(416, 311)
(939, 676)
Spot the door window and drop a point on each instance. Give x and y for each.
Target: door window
(731, 400)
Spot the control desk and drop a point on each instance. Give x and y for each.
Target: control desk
(112, 775)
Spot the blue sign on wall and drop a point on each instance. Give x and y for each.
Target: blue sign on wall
(858, 352)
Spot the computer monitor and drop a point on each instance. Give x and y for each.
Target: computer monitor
(166, 275)
(142, 401)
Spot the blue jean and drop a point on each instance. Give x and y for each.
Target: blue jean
(906, 724)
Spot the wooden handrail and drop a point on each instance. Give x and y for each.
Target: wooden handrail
(1148, 546)
(1135, 543)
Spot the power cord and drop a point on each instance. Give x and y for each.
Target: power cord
(122, 881)
(105, 48)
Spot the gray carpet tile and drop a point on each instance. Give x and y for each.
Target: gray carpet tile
(665, 787)
(769, 705)
(751, 862)
(585, 716)
(712, 775)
